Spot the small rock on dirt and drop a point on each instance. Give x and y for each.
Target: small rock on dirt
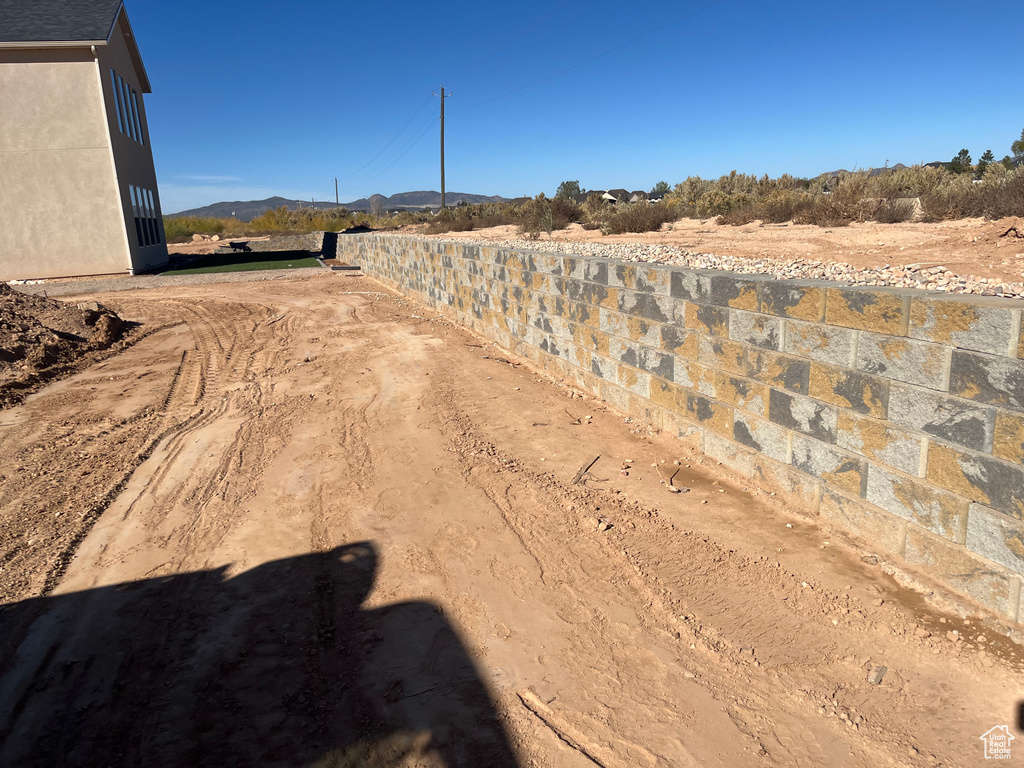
(876, 674)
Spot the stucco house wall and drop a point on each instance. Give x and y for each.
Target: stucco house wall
(66, 170)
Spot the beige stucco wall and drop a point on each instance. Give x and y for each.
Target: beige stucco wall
(58, 193)
(133, 161)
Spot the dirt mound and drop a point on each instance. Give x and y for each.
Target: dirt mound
(41, 338)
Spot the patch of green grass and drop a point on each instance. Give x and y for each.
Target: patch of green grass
(247, 262)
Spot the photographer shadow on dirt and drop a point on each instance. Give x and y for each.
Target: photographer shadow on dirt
(276, 665)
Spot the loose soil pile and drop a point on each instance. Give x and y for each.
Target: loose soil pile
(42, 338)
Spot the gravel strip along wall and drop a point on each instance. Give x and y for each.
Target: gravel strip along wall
(897, 415)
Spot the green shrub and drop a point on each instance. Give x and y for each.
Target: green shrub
(637, 217)
(825, 211)
(181, 228)
(894, 211)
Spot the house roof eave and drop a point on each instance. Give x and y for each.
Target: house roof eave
(133, 48)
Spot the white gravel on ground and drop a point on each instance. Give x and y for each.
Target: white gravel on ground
(895, 276)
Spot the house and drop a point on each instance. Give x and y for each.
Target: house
(617, 195)
(78, 190)
(638, 197)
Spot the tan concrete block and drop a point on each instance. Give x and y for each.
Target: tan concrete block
(868, 309)
(690, 436)
(708, 319)
(849, 389)
(736, 457)
(789, 298)
(743, 393)
(637, 382)
(730, 290)
(879, 441)
(714, 416)
(875, 526)
(778, 370)
(591, 338)
(835, 467)
(669, 396)
(917, 501)
(979, 478)
(679, 342)
(721, 354)
(789, 483)
(991, 585)
(1008, 442)
(967, 322)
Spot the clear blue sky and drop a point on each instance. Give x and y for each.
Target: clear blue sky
(261, 98)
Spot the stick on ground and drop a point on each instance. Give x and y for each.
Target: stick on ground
(583, 471)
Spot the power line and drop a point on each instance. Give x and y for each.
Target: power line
(393, 140)
(593, 58)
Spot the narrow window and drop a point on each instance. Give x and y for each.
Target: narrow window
(150, 215)
(138, 117)
(156, 217)
(117, 100)
(128, 109)
(135, 214)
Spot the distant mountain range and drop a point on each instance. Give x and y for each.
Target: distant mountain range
(250, 209)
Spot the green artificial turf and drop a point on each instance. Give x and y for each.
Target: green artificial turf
(247, 262)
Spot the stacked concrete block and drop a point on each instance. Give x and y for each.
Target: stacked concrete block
(896, 415)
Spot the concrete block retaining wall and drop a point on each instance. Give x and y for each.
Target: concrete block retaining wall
(897, 415)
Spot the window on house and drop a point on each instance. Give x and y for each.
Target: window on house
(117, 99)
(129, 119)
(144, 211)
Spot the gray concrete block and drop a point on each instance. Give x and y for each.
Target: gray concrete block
(995, 380)
(947, 418)
(763, 436)
(755, 328)
(997, 537)
(914, 362)
(822, 343)
(919, 502)
(835, 467)
(803, 415)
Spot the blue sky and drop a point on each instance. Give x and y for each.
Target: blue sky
(261, 98)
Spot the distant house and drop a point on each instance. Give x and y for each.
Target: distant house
(638, 197)
(617, 195)
(520, 200)
(78, 190)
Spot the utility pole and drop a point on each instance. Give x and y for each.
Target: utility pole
(443, 95)
(337, 201)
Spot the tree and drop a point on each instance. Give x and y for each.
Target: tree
(961, 163)
(1018, 146)
(660, 188)
(1007, 163)
(984, 162)
(567, 189)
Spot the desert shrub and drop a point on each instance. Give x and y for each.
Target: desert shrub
(894, 210)
(825, 211)
(1002, 193)
(181, 228)
(284, 221)
(781, 205)
(564, 212)
(958, 198)
(636, 217)
(738, 216)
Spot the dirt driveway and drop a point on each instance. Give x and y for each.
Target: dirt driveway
(310, 523)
